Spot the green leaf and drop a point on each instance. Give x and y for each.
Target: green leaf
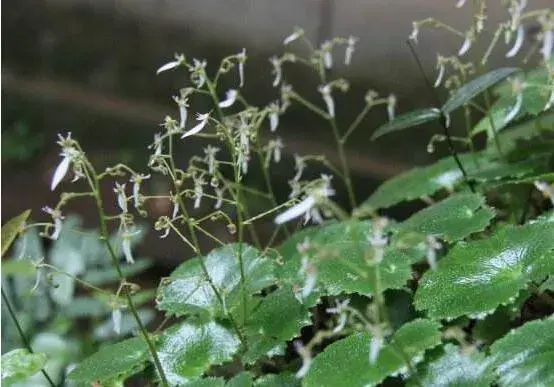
(278, 319)
(453, 218)
(475, 87)
(19, 364)
(453, 368)
(11, 230)
(509, 138)
(285, 379)
(417, 183)
(531, 166)
(244, 379)
(407, 120)
(474, 278)
(339, 253)
(524, 356)
(187, 350)
(112, 362)
(188, 291)
(206, 382)
(18, 267)
(346, 362)
(498, 112)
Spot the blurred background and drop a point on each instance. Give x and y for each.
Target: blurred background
(88, 66)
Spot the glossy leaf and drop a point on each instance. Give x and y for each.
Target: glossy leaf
(339, 252)
(407, 120)
(188, 291)
(530, 167)
(19, 364)
(11, 230)
(453, 218)
(188, 349)
(475, 277)
(112, 362)
(244, 379)
(535, 128)
(454, 368)
(346, 362)
(475, 87)
(417, 183)
(498, 113)
(524, 356)
(278, 319)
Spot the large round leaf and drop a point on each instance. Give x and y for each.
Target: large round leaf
(187, 350)
(453, 218)
(417, 183)
(20, 364)
(339, 253)
(454, 368)
(524, 357)
(112, 362)
(278, 319)
(474, 278)
(346, 362)
(189, 291)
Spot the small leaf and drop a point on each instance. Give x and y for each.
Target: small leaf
(278, 319)
(475, 87)
(187, 350)
(524, 356)
(244, 379)
(339, 253)
(451, 219)
(19, 364)
(474, 278)
(407, 120)
(417, 183)
(188, 291)
(285, 379)
(346, 362)
(453, 368)
(11, 230)
(112, 362)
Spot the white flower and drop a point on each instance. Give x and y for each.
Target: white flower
(137, 181)
(325, 91)
(198, 190)
(305, 206)
(183, 105)
(466, 45)
(241, 58)
(298, 32)
(350, 48)
(210, 152)
(518, 43)
(126, 246)
(341, 309)
(378, 239)
(203, 118)
(230, 98)
(299, 165)
(273, 116)
(374, 348)
(306, 357)
(326, 47)
(157, 145)
(57, 218)
(440, 75)
(277, 71)
(61, 170)
(197, 73)
(219, 195)
(277, 147)
(116, 319)
(391, 106)
(460, 3)
(121, 197)
(179, 60)
(311, 277)
(446, 120)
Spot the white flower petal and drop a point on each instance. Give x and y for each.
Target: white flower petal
(460, 3)
(391, 107)
(547, 45)
(203, 118)
(466, 45)
(298, 210)
(61, 171)
(126, 246)
(328, 60)
(168, 66)
(294, 36)
(230, 98)
(374, 348)
(183, 113)
(116, 319)
(438, 81)
(518, 43)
